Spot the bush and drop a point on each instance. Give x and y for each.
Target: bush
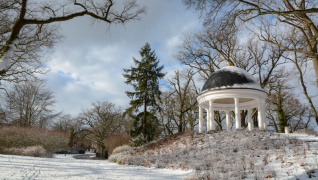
(114, 141)
(21, 138)
(35, 151)
(114, 158)
(121, 149)
(138, 141)
(81, 151)
(117, 157)
(119, 152)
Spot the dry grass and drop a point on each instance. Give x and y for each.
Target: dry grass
(309, 132)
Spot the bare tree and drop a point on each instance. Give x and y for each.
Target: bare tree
(292, 16)
(286, 110)
(165, 115)
(211, 49)
(30, 104)
(64, 123)
(103, 119)
(177, 109)
(73, 127)
(28, 27)
(300, 63)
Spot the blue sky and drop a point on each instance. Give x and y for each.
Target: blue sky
(87, 65)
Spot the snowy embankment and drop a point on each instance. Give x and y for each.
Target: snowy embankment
(66, 167)
(233, 155)
(220, 155)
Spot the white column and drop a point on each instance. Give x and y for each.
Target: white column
(286, 130)
(237, 113)
(211, 110)
(208, 119)
(259, 114)
(249, 119)
(228, 127)
(200, 119)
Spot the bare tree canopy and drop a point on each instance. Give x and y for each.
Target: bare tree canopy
(27, 27)
(177, 110)
(249, 9)
(103, 119)
(30, 104)
(275, 21)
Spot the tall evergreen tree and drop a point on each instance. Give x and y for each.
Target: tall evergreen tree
(144, 78)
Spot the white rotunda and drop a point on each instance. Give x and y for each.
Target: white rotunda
(231, 89)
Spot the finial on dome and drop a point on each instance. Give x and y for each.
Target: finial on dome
(229, 63)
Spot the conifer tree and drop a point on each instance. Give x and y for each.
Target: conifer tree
(144, 78)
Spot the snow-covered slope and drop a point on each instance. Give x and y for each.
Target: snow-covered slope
(233, 155)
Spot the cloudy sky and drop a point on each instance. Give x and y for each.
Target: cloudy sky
(87, 65)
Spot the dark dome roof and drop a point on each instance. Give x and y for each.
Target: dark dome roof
(231, 77)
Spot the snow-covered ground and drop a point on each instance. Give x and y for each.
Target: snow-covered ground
(66, 167)
(221, 155)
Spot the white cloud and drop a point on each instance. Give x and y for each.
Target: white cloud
(88, 65)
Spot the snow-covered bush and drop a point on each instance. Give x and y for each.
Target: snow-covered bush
(138, 141)
(35, 151)
(114, 158)
(118, 157)
(121, 149)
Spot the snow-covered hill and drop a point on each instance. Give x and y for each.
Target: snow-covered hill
(233, 155)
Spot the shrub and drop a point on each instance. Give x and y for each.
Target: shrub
(114, 157)
(35, 151)
(113, 141)
(138, 141)
(121, 149)
(117, 157)
(21, 137)
(81, 151)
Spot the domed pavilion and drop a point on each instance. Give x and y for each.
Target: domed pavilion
(231, 89)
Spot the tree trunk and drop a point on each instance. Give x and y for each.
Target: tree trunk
(254, 117)
(180, 123)
(218, 120)
(315, 65)
(315, 59)
(71, 138)
(144, 124)
(282, 120)
(243, 115)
